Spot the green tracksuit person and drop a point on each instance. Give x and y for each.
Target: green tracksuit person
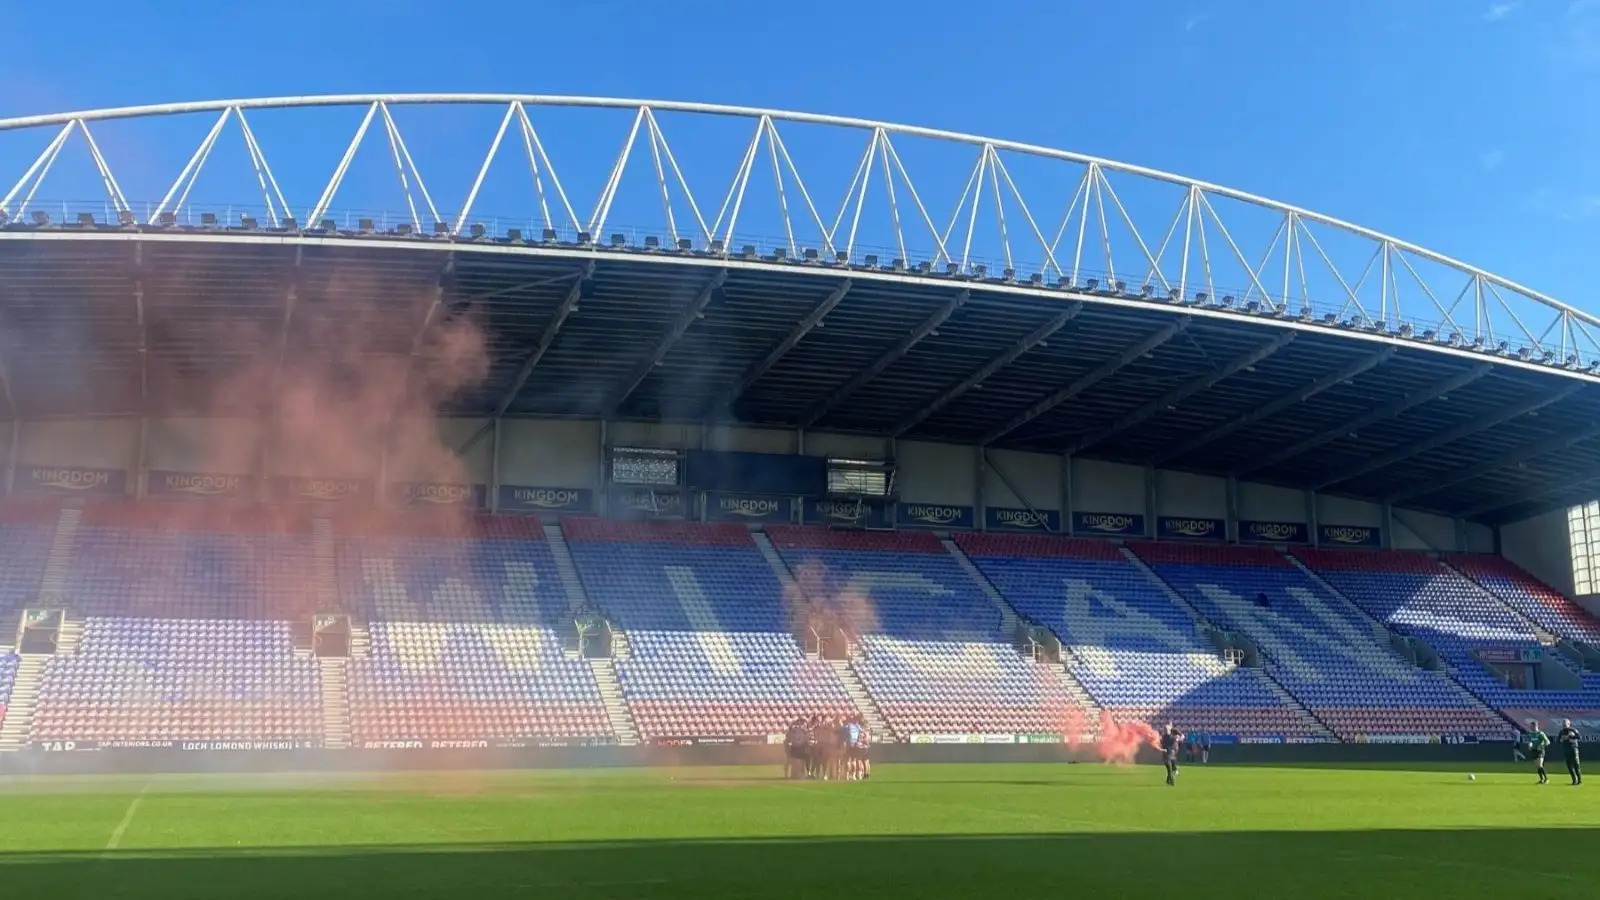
(1569, 739)
(1538, 742)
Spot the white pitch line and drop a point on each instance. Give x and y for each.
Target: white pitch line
(127, 819)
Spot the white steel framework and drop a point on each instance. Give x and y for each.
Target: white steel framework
(1123, 230)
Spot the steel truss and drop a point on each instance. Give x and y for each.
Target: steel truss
(1126, 231)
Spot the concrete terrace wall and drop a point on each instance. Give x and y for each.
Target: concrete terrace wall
(569, 454)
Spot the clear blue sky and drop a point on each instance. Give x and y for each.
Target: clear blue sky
(1465, 125)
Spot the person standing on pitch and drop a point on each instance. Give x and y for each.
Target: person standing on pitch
(1569, 739)
(1171, 742)
(1538, 742)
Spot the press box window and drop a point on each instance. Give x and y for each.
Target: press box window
(656, 468)
(859, 477)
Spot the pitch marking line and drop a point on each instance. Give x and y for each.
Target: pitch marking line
(127, 819)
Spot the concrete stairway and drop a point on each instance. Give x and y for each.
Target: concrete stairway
(335, 702)
(617, 712)
(18, 721)
(325, 579)
(566, 569)
(1201, 622)
(1306, 716)
(53, 586)
(1008, 615)
(360, 641)
(862, 699)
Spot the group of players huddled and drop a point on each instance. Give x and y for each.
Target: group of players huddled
(828, 748)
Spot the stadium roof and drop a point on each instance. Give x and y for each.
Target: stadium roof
(1293, 349)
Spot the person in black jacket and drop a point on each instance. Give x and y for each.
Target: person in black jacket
(1569, 739)
(1171, 742)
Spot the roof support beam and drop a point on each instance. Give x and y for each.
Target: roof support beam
(547, 338)
(1506, 460)
(764, 365)
(1298, 395)
(1095, 376)
(1011, 355)
(5, 390)
(901, 348)
(685, 318)
(1181, 393)
(1387, 411)
(1544, 490)
(143, 334)
(1472, 426)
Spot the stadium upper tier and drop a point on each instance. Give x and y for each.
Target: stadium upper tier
(463, 632)
(961, 289)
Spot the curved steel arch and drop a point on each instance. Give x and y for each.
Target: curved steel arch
(1573, 343)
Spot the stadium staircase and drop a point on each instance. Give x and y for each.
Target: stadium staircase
(1009, 620)
(53, 586)
(1178, 599)
(1379, 630)
(577, 597)
(18, 721)
(617, 712)
(325, 578)
(775, 561)
(360, 641)
(335, 702)
(1545, 635)
(1075, 690)
(862, 698)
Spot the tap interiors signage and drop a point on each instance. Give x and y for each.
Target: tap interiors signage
(1273, 533)
(1349, 536)
(425, 494)
(1107, 523)
(198, 485)
(1009, 518)
(533, 499)
(322, 490)
(851, 512)
(1177, 528)
(70, 480)
(766, 508)
(932, 515)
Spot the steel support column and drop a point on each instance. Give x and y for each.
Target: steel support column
(901, 348)
(1313, 520)
(1067, 498)
(268, 414)
(685, 318)
(1183, 392)
(1272, 408)
(1231, 500)
(1470, 427)
(979, 473)
(1386, 411)
(1152, 501)
(494, 469)
(1093, 377)
(1387, 511)
(1006, 358)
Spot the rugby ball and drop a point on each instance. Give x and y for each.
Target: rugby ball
(1472, 778)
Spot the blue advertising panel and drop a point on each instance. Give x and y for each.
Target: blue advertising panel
(1349, 536)
(859, 513)
(1107, 523)
(198, 485)
(933, 515)
(643, 503)
(423, 494)
(1255, 532)
(725, 507)
(1012, 518)
(321, 490)
(69, 480)
(527, 498)
(1182, 528)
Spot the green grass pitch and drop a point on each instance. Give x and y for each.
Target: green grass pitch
(914, 831)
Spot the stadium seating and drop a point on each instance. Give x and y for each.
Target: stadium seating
(26, 531)
(1415, 595)
(191, 560)
(159, 680)
(425, 567)
(430, 681)
(8, 678)
(932, 653)
(1139, 655)
(1332, 660)
(710, 653)
(1529, 596)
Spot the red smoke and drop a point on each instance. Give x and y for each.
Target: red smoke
(1120, 741)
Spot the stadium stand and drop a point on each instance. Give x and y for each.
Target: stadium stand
(27, 529)
(424, 567)
(931, 649)
(190, 560)
(1529, 596)
(1328, 657)
(160, 680)
(8, 677)
(1415, 595)
(430, 681)
(1138, 654)
(709, 649)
